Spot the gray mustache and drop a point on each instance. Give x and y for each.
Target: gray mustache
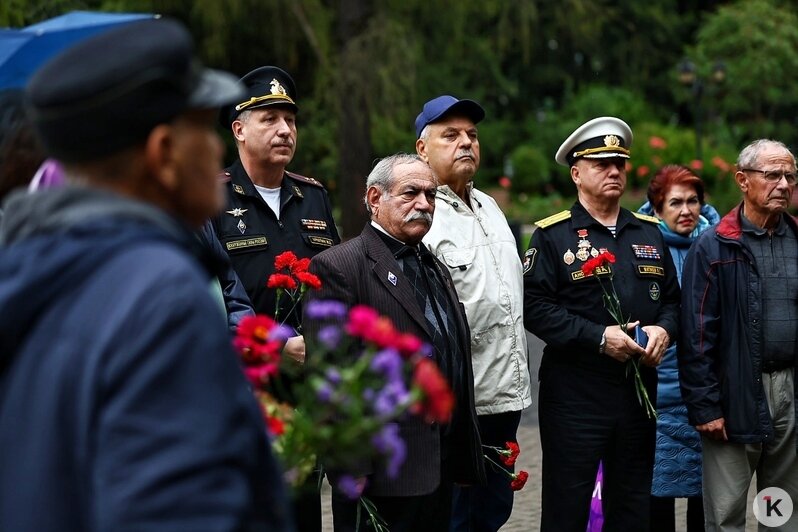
(427, 217)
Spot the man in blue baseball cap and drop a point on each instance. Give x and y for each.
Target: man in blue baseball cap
(122, 403)
(471, 236)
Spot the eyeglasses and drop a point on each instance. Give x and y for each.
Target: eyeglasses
(774, 176)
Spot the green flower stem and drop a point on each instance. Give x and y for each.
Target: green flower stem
(613, 305)
(499, 466)
(377, 522)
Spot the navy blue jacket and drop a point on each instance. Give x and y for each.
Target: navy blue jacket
(720, 356)
(236, 300)
(122, 405)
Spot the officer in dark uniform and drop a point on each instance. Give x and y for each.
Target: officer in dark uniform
(589, 410)
(269, 211)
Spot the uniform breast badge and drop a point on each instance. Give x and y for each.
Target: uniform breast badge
(583, 253)
(568, 257)
(241, 226)
(237, 212)
(646, 251)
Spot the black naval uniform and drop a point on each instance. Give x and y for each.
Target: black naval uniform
(253, 235)
(588, 407)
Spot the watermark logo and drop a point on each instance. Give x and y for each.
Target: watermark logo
(772, 507)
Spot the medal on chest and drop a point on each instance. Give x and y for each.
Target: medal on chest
(584, 247)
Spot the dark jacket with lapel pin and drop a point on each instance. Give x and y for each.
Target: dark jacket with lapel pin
(357, 272)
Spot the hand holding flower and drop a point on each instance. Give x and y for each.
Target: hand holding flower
(294, 349)
(618, 347)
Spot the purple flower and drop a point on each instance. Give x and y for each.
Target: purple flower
(368, 394)
(351, 487)
(330, 336)
(324, 309)
(282, 333)
(427, 350)
(389, 363)
(390, 397)
(324, 392)
(333, 376)
(388, 442)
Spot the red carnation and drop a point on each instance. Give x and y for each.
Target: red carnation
(519, 480)
(275, 425)
(281, 280)
(438, 401)
(284, 260)
(509, 455)
(309, 279)
(408, 344)
(590, 266)
(301, 265)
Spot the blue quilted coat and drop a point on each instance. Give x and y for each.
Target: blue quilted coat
(677, 465)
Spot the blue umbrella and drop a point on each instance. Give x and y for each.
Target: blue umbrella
(23, 51)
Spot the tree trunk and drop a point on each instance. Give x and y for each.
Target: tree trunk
(354, 131)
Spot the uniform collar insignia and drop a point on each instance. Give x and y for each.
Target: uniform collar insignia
(297, 192)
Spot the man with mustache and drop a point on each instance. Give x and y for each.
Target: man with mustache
(389, 269)
(472, 238)
(270, 210)
(738, 343)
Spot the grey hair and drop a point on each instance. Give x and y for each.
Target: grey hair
(424, 133)
(750, 154)
(382, 175)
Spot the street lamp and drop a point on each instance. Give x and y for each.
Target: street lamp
(689, 77)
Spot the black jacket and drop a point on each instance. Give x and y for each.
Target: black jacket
(360, 272)
(565, 309)
(253, 236)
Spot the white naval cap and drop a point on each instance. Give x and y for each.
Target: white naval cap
(599, 138)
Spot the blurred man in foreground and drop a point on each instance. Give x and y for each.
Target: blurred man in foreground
(122, 404)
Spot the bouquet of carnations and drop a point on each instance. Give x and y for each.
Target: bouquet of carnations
(600, 266)
(360, 376)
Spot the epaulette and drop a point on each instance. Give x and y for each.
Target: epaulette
(553, 219)
(303, 179)
(224, 177)
(646, 218)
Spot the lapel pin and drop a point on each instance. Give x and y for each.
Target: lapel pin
(392, 278)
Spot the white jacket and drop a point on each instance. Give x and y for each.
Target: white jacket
(480, 250)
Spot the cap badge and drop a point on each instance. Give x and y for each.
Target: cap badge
(611, 141)
(276, 88)
(237, 212)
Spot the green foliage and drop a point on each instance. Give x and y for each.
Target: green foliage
(757, 40)
(531, 169)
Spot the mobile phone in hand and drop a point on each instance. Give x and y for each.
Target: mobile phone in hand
(641, 337)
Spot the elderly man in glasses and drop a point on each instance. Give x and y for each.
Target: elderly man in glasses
(738, 345)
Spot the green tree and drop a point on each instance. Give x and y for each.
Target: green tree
(758, 41)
